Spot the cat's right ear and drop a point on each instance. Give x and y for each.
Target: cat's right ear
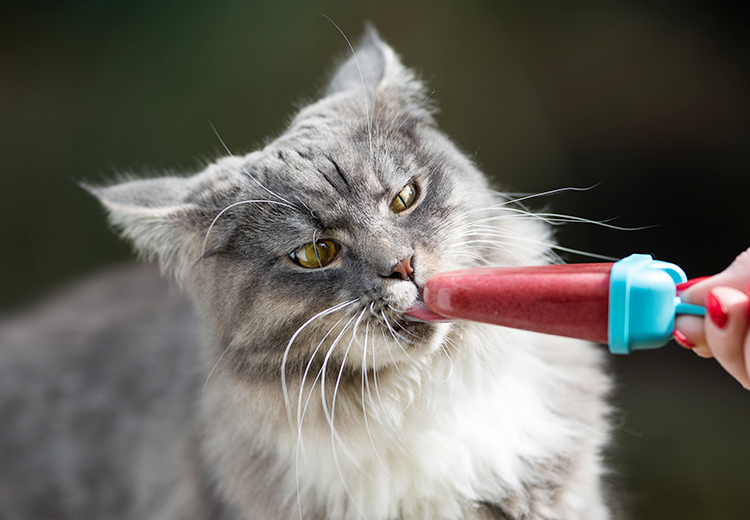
(156, 217)
(375, 69)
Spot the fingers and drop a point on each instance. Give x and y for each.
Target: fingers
(737, 275)
(725, 329)
(689, 334)
(689, 330)
(723, 333)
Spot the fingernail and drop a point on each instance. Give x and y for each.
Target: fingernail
(682, 341)
(716, 310)
(684, 285)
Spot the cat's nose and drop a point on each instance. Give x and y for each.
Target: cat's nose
(403, 270)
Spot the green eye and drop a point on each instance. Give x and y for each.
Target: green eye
(318, 254)
(405, 199)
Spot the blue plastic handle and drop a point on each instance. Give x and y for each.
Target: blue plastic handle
(643, 303)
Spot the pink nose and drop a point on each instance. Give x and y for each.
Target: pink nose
(403, 270)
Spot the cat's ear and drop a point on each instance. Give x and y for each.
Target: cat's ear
(374, 67)
(156, 217)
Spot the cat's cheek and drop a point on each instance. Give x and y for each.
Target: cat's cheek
(429, 261)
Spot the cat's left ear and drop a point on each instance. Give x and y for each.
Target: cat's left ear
(376, 69)
(155, 215)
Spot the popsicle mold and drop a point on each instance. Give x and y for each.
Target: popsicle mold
(629, 305)
(643, 303)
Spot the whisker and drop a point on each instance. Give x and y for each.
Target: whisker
(520, 197)
(334, 435)
(301, 417)
(216, 365)
(532, 241)
(556, 219)
(245, 169)
(375, 374)
(285, 357)
(338, 383)
(366, 383)
(312, 213)
(390, 354)
(364, 86)
(216, 218)
(307, 371)
(343, 362)
(395, 337)
(413, 111)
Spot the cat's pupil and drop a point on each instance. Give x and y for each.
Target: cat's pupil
(405, 199)
(315, 255)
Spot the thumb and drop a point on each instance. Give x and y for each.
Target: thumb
(690, 330)
(737, 275)
(726, 331)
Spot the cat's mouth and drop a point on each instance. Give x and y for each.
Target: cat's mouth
(418, 311)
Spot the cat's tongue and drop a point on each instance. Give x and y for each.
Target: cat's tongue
(421, 312)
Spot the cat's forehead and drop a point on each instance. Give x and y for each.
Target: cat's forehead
(339, 160)
(360, 164)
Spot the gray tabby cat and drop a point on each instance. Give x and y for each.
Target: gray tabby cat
(291, 383)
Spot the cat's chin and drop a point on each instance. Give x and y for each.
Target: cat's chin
(420, 312)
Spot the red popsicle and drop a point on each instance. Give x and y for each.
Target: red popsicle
(565, 300)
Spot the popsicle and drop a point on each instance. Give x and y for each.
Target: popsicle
(628, 305)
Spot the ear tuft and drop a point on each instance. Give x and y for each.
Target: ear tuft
(154, 216)
(366, 67)
(375, 70)
(372, 64)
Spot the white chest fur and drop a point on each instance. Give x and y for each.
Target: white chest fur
(471, 426)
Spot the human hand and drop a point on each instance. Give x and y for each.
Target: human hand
(723, 333)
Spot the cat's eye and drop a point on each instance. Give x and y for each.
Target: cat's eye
(315, 255)
(405, 199)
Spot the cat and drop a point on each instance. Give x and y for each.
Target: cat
(290, 382)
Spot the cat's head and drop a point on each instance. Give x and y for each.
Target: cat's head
(326, 235)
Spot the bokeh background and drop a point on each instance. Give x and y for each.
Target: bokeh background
(647, 103)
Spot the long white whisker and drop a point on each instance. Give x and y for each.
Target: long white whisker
(410, 113)
(554, 219)
(216, 365)
(216, 218)
(307, 370)
(395, 336)
(516, 237)
(390, 354)
(301, 417)
(301, 411)
(285, 357)
(366, 383)
(526, 196)
(364, 86)
(334, 435)
(343, 362)
(245, 169)
(375, 373)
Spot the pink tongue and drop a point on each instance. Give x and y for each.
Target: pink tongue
(420, 311)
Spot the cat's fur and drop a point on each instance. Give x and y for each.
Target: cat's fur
(105, 413)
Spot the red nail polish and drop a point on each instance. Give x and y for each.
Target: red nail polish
(716, 311)
(682, 341)
(684, 285)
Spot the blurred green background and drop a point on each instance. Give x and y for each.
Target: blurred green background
(646, 102)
